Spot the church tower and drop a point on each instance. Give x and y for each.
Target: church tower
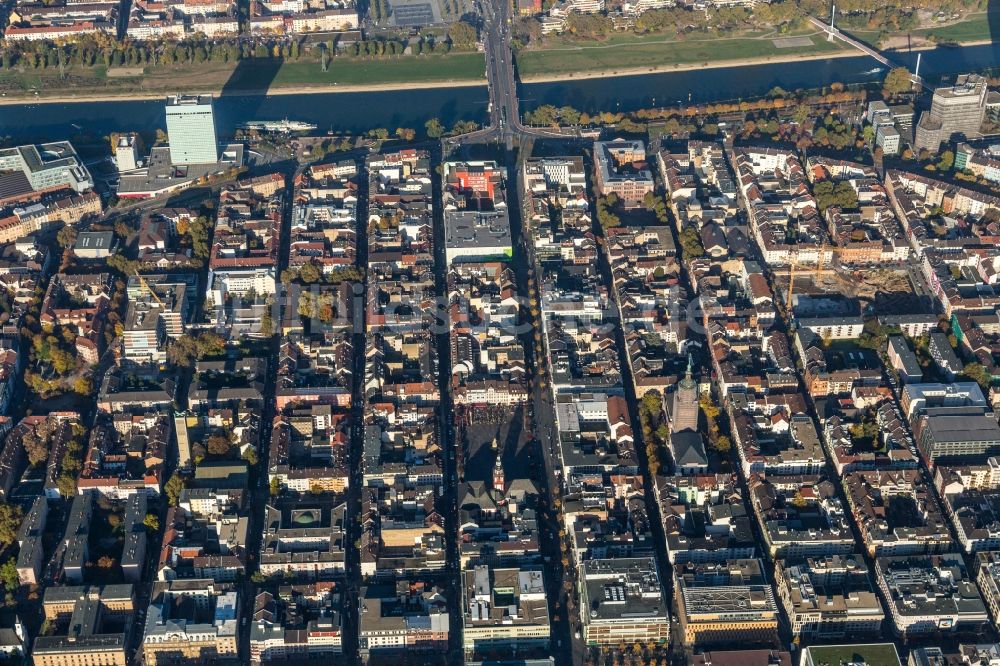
(684, 415)
(499, 485)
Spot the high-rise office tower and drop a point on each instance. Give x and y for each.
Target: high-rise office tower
(959, 109)
(191, 130)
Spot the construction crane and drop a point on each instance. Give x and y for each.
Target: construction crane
(145, 285)
(817, 271)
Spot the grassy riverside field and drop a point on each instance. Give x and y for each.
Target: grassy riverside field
(631, 53)
(252, 75)
(973, 29)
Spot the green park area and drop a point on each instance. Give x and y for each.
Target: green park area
(255, 74)
(976, 28)
(628, 53)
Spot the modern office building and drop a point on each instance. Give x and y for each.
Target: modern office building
(505, 611)
(476, 222)
(957, 433)
(829, 597)
(622, 603)
(191, 130)
(128, 152)
(888, 139)
(957, 109)
(41, 168)
(930, 595)
(402, 616)
(725, 603)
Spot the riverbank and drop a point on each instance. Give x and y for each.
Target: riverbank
(570, 58)
(254, 77)
(685, 67)
(267, 92)
(973, 30)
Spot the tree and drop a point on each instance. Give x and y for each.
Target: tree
(708, 408)
(83, 386)
(8, 575)
(275, 487)
(10, 523)
(266, 322)
(219, 444)
(605, 217)
(66, 483)
(434, 128)
(123, 264)
(897, 81)
(868, 133)
(152, 522)
(830, 194)
(462, 35)
(210, 345)
(310, 273)
(722, 444)
(37, 448)
(546, 114)
(105, 562)
(172, 489)
(946, 161)
(691, 244)
(183, 351)
(66, 236)
(979, 374)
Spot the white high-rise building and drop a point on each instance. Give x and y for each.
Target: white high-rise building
(191, 130)
(128, 152)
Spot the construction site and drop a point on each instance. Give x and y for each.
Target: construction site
(896, 289)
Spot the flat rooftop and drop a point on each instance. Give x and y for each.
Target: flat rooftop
(471, 229)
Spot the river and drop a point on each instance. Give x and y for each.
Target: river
(358, 112)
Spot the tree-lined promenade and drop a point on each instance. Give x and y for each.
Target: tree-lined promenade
(97, 64)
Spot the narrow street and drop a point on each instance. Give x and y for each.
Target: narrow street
(449, 499)
(353, 582)
(563, 647)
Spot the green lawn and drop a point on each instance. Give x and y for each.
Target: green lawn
(567, 40)
(975, 29)
(249, 75)
(876, 654)
(635, 52)
(451, 67)
(869, 37)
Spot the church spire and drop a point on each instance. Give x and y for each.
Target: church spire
(688, 382)
(499, 483)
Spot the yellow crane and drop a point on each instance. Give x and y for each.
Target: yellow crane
(817, 271)
(145, 285)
